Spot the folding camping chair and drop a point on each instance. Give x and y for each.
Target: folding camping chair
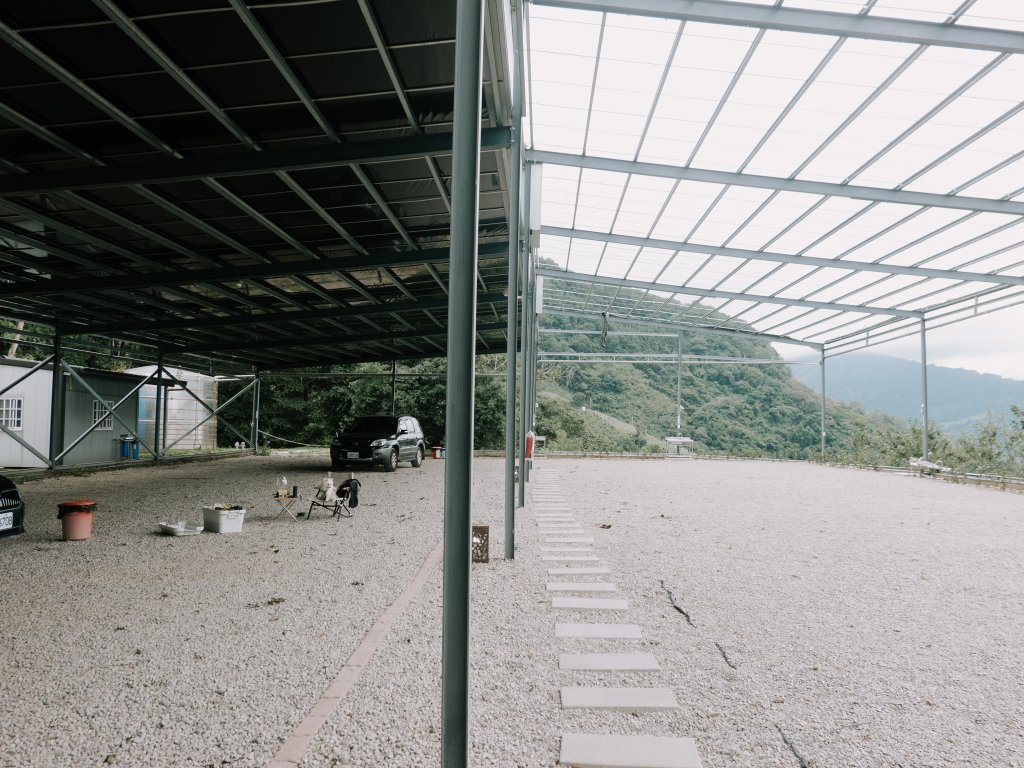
(339, 502)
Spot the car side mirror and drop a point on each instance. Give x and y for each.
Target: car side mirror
(403, 431)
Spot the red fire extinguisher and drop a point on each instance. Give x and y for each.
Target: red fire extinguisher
(529, 444)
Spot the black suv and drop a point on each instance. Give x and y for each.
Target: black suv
(384, 440)
(12, 509)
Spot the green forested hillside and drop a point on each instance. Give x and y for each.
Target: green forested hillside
(753, 410)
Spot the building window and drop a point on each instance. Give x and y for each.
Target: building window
(10, 412)
(101, 414)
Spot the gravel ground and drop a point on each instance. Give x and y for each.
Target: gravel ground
(836, 618)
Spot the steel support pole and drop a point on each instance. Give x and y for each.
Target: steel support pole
(823, 405)
(394, 384)
(524, 336)
(255, 442)
(159, 405)
(458, 475)
(531, 340)
(57, 403)
(513, 291)
(924, 394)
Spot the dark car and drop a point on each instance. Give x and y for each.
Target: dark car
(12, 509)
(384, 440)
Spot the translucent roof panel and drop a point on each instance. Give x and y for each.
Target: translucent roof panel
(831, 183)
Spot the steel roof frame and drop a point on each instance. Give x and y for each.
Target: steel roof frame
(807, 21)
(426, 145)
(842, 26)
(707, 176)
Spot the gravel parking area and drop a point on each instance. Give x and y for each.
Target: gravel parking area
(822, 617)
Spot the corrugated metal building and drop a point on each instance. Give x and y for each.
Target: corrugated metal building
(183, 412)
(25, 411)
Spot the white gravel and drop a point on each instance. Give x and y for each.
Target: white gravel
(869, 619)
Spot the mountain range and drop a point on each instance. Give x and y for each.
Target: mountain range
(959, 400)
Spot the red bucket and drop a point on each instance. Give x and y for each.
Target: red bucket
(76, 519)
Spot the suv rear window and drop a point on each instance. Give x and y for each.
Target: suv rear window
(385, 425)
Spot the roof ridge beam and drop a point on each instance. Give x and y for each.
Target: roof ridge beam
(812, 22)
(784, 258)
(245, 164)
(558, 274)
(827, 189)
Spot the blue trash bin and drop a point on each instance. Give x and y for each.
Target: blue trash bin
(126, 446)
(134, 442)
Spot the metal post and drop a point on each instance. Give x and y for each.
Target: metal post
(57, 404)
(531, 344)
(679, 393)
(158, 406)
(163, 434)
(458, 475)
(255, 442)
(394, 384)
(924, 394)
(513, 290)
(524, 338)
(823, 404)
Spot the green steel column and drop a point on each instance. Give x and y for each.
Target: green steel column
(823, 404)
(255, 441)
(524, 267)
(531, 341)
(57, 403)
(513, 302)
(157, 406)
(394, 384)
(924, 394)
(458, 475)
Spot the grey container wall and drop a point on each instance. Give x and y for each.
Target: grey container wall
(34, 393)
(183, 412)
(102, 444)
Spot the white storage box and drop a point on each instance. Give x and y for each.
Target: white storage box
(222, 520)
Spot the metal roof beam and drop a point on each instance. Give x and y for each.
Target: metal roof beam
(751, 335)
(808, 22)
(327, 341)
(357, 311)
(827, 189)
(246, 164)
(784, 258)
(616, 282)
(235, 273)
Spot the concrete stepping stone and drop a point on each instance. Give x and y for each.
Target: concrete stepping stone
(569, 540)
(581, 586)
(598, 631)
(586, 570)
(625, 662)
(626, 699)
(562, 531)
(589, 603)
(567, 558)
(591, 750)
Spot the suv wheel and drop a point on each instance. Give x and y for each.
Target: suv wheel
(392, 463)
(418, 459)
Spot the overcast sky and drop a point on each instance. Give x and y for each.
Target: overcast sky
(992, 343)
